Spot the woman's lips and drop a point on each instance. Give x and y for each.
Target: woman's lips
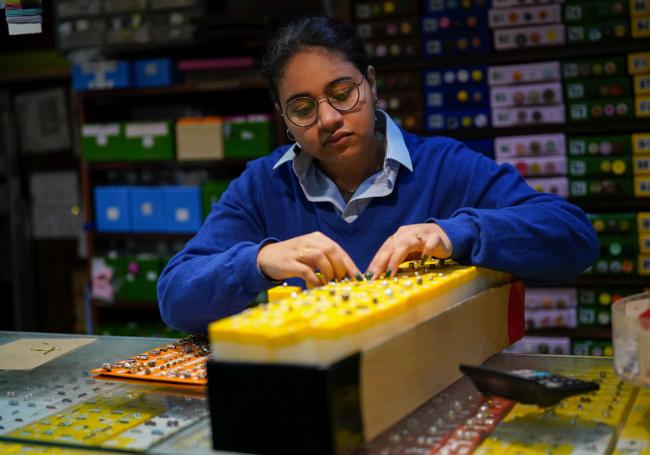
(337, 139)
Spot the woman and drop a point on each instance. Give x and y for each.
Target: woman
(356, 194)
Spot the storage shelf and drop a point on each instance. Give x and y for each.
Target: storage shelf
(514, 56)
(613, 205)
(127, 304)
(599, 333)
(225, 83)
(227, 163)
(164, 236)
(611, 280)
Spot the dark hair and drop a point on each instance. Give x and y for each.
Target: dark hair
(320, 31)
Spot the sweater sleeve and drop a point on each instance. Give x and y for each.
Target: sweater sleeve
(216, 275)
(505, 225)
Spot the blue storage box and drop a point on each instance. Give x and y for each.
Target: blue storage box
(113, 208)
(148, 209)
(458, 96)
(457, 76)
(101, 75)
(182, 208)
(157, 72)
(448, 119)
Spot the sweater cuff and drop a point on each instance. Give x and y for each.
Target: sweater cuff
(251, 273)
(462, 234)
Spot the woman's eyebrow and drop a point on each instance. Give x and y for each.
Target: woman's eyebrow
(305, 94)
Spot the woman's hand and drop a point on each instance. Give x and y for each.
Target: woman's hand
(300, 256)
(420, 240)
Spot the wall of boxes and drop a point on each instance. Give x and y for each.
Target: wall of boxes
(510, 79)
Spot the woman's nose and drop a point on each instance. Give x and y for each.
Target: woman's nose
(328, 117)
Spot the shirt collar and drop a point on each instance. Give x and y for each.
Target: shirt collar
(396, 150)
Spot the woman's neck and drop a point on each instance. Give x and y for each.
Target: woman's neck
(350, 176)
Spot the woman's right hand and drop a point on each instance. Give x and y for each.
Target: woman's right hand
(301, 256)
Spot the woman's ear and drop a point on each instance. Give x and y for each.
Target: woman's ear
(277, 106)
(372, 80)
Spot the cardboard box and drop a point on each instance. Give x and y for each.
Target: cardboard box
(553, 185)
(618, 145)
(641, 143)
(515, 116)
(437, 120)
(113, 208)
(598, 88)
(596, 166)
(520, 16)
(642, 106)
(101, 75)
(643, 222)
(600, 110)
(524, 74)
(103, 142)
(149, 141)
(336, 408)
(533, 145)
(642, 185)
(199, 138)
(457, 77)
(642, 84)
(598, 32)
(638, 62)
(525, 37)
(526, 95)
(641, 26)
(641, 164)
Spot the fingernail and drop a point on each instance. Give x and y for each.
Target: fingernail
(368, 275)
(388, 272)
(358, 277)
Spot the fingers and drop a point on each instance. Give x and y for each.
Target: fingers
(306, 273)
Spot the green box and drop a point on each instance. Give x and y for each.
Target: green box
(594, 67)
(211, 191)
(599, 166)
(583, 89)
(247, 136)
(618, 145)
(598, 32)
(618, 245)
(149, 141)
(119, 265)
(614, 223)
(621, 266)
(580, 10)
(602, 188)
(102, 142)
(142, 278)
(600, 110)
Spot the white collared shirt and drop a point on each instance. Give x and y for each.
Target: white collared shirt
(318, 187)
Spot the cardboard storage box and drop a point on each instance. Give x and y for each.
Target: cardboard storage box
(524, 74)
(638, 62)
(598, 32)
(593, 67)
(532, 145)
(641, 143)
(199, 138)
(306, 409)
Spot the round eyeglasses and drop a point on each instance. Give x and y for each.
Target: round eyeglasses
(342, 95)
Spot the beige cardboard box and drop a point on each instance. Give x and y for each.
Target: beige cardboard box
(275, 408)
(199, 138)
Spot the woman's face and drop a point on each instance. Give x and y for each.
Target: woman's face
(336, 137)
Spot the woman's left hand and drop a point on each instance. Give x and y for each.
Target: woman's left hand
(423, 240)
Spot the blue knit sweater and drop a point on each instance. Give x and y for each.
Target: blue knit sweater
(491, 216)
